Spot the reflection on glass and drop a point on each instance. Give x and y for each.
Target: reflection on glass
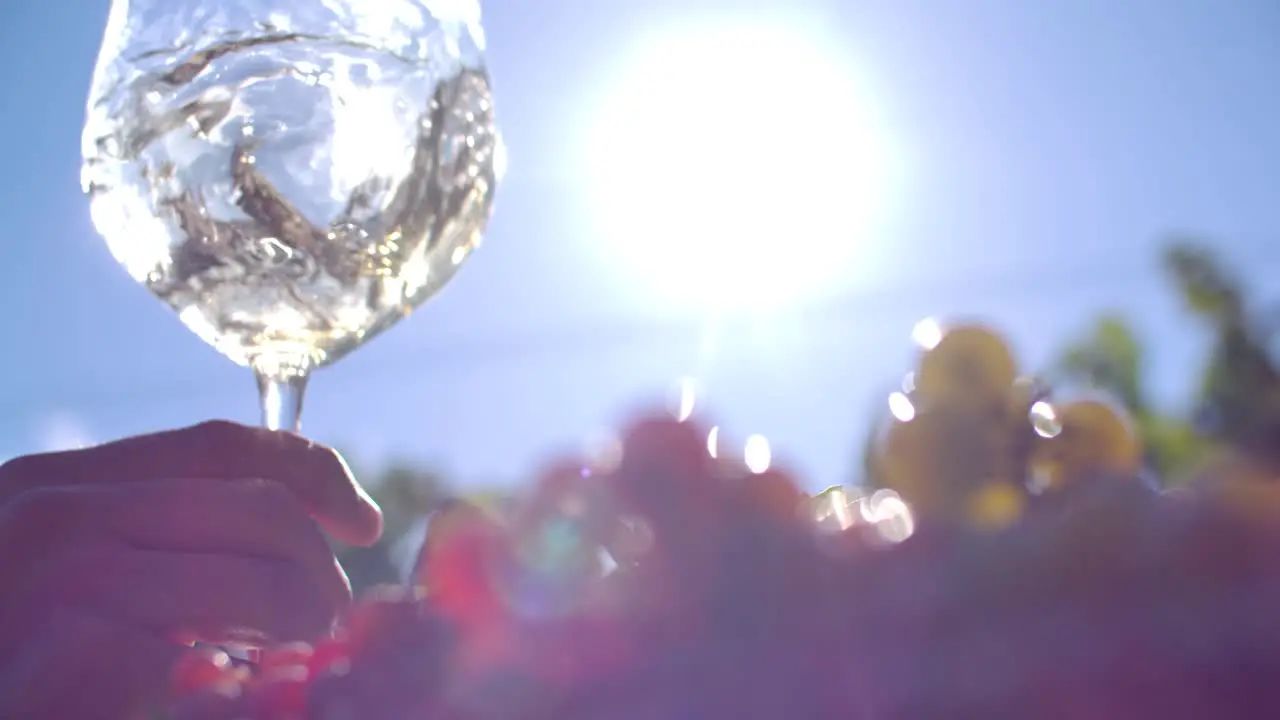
(292, 177)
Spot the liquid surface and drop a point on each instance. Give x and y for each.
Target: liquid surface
(290, 196)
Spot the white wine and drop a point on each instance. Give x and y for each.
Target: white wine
(290, 196)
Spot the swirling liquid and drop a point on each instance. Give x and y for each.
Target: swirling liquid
(290, 196)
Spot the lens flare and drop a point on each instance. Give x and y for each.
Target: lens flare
(901, 407)
(757, 454)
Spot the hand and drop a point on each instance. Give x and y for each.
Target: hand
(109, 555)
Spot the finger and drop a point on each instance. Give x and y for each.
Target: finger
(84, 666)
(215, 598)
(244, 518)
(213, 451)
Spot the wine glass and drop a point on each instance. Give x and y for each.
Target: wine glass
(291, 176)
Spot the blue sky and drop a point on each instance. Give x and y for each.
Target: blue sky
(1048, 146)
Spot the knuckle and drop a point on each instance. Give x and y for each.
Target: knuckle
(22, 472)
(328, 455)
(15, 468)
(224, 436)
(324, 457)
(273, 495)
(273, 500)
(336, 469)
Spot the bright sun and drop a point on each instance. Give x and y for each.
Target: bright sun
(738, 167)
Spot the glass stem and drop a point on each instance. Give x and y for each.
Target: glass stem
(280, 394)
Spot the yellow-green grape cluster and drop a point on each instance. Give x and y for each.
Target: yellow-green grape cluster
(968, 367)
(951, 449)
(1092, 439)
(971, 438)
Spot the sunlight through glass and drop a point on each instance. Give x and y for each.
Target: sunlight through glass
(833, 508)
(721, 195)
(901, 408)
(757, 454)
(1044, 420)
(688, 396)
(891, 516)
(927, 334)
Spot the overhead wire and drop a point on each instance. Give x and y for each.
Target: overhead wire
(1028, 286)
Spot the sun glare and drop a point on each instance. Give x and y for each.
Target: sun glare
(735, 167)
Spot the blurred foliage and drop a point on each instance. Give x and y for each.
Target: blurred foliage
(1110, 358)
(1207, 288)
(1239, 392)
(1236, 403)
(406, 493)
(1234, 409)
